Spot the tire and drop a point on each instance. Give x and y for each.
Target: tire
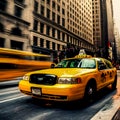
(90, 92)
(114, 84)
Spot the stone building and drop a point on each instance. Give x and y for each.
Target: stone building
(57, 23)
(14, 24)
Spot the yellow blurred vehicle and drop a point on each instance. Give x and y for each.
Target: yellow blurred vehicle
(15, 63)
(71, 79)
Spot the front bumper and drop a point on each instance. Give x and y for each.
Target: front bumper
(58, 92)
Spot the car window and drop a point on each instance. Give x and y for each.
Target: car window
(87, 63)
(101, 65)
(70, 63)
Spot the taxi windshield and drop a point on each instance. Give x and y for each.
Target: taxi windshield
(77, 63)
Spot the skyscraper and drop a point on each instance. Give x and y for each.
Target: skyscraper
(57, 23)
(103, 26)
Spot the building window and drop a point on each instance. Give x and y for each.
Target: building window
(58, 19)
(48, 2)
(41, 27)
(16, 45)
(18, 11)
(16, 31)
(63, 36)
(48, 13)
(58, 47)
(48, 30)
(53, 16)
(2, 41)
(1, 27)
(53, 45)
(58, 34)
(58, 8)
(53, 32)
(35, 40)
(63, 22)
(47, 44)
(3, 5)
(68, 38)
(35, 27)
(41, 42)
(35, 6)
(42, 10)
(63, 11)
(53, 4)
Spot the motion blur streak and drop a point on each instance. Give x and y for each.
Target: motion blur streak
(15, 63)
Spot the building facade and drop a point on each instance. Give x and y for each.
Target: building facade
(117, 42)
(116, 16)
(14, 24)
(59, 23)
(49, 26)
(103, 28)
(46, 26)
(97, 24)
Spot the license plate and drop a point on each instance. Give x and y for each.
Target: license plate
(36, 91)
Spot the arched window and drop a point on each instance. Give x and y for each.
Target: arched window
(16, 31)
(1, 27)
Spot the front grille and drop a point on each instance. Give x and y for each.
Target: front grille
(44, 79)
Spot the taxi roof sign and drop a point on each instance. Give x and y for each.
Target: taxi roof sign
(82, 51)
(83, 56)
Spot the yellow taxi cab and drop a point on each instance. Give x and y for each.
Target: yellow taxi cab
(71, 79)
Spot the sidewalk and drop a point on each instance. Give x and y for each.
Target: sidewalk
(108, 112)
(111, 111)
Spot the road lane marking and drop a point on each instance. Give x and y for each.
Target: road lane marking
(8, 89)
(9, 92)
(3, 101)
(41, 116)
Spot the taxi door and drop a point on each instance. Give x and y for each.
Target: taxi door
(111, 71)
(103, 74)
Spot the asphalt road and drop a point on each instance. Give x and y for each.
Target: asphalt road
(14, 105)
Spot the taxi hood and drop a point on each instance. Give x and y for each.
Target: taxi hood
(64, 72)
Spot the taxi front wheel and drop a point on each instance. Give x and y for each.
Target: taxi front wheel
(90, 92)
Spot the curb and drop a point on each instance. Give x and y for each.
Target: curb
(108, 111)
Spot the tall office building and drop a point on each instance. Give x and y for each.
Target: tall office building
(14, 24)
(58, 23)
(97, 31)
(117, 41)
(103, 27)
(116, 16)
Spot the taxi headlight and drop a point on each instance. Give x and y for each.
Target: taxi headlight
(25, 77)
(69, 80)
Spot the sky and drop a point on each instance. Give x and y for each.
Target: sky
(116, 13)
